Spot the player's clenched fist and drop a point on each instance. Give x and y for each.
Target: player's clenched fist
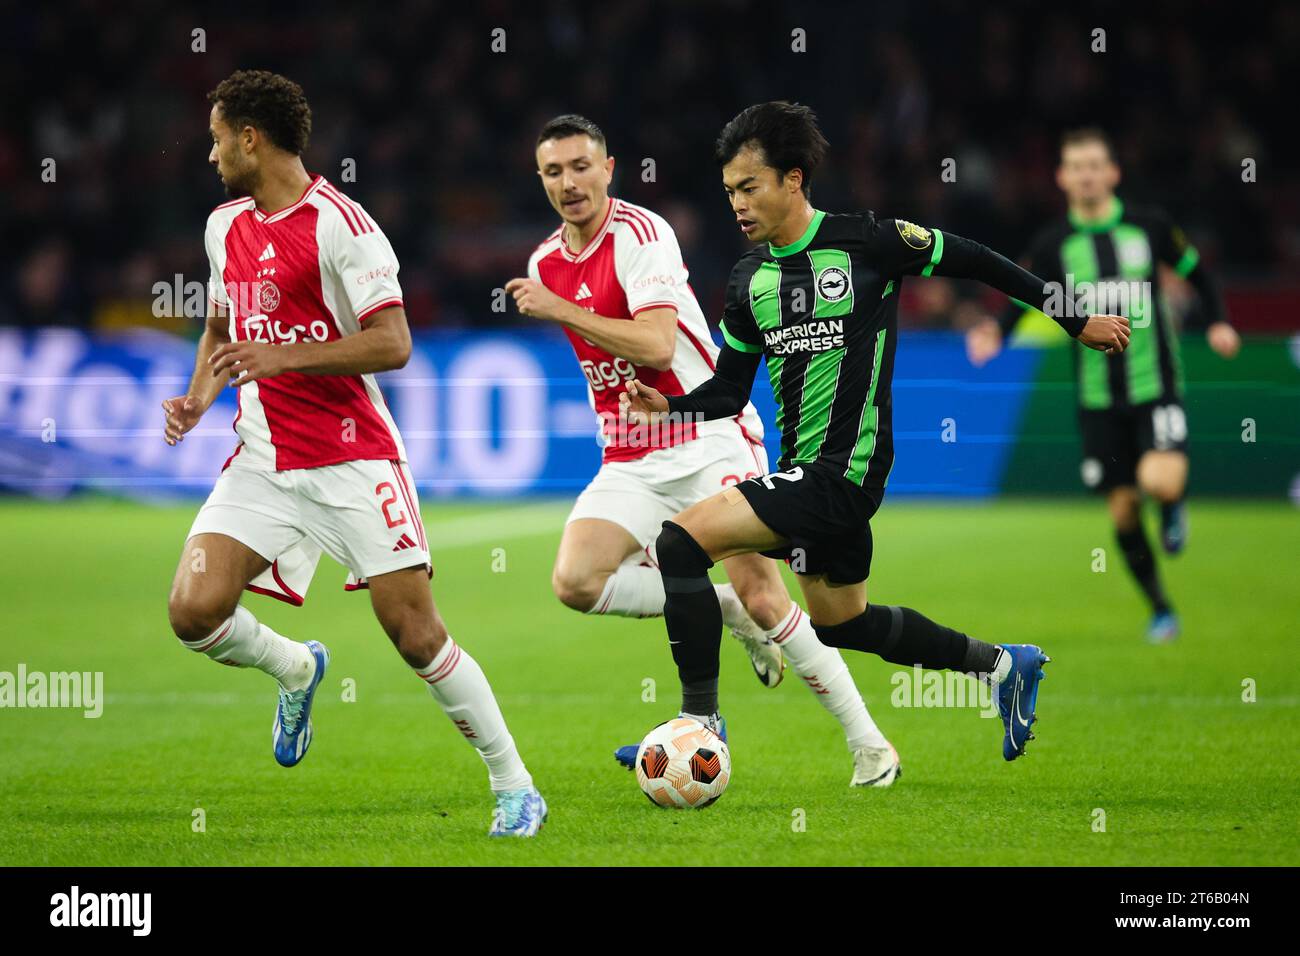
(183, 413)
(983, 342)
(533, 298)
(1106, 333)
(639, 402)
(1223, 338)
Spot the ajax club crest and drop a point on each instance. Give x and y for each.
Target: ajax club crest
(268, 296)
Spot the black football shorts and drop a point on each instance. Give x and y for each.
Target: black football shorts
(826, 518)
(1114, 439)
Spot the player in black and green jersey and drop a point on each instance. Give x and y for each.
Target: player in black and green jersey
(818, 297)
(1131, 414)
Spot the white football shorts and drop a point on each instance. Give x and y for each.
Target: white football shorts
(641, 495)
(363, 514)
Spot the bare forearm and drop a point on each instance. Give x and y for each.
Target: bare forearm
(204, 386)
(640, 342)
(375, 349)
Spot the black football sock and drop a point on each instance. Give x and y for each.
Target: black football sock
(1142, 565)
(693, 616)
(903, 636)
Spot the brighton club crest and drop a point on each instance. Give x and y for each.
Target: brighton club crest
(833, 284)
(268, 296)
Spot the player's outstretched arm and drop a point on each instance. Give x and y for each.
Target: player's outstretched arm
(184, 411)
(383, 344)
(724, 395)
(961, 258)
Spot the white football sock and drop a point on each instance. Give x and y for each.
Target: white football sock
(827, 676)
(458, 685)
(632, 591)
(1000, 669)
(733, 610)
(241, 641)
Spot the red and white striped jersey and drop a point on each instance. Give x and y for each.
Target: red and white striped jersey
(632, 264)
(313, 271)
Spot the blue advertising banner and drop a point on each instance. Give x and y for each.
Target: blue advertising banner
(482, 413)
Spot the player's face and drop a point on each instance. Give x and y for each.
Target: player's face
(576, 174)
(233, 162)
(1087, 174)
(760, 196)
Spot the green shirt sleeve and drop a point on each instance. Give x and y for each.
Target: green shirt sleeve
(1173, 247)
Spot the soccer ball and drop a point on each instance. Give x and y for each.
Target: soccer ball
(683, 764)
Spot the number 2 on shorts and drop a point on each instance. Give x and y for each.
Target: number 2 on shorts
(392, 498)
(794, 474)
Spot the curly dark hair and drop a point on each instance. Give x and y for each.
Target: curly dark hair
(273, 104)
(787, 134)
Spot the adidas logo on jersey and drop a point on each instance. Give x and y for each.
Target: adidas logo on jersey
(268, 270)
(583, 293)
(404, 542)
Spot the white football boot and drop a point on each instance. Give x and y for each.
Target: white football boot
(876, 767)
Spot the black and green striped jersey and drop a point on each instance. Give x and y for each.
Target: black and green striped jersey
(823, 310)
(1110, 265)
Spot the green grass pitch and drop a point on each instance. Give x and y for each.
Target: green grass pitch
(1159, 738)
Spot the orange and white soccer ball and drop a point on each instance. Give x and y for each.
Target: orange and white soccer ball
(683, 764)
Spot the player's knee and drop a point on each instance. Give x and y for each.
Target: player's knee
(576, 588)
(765, 603)
(418, 639)
(679, 554)
(194, 617)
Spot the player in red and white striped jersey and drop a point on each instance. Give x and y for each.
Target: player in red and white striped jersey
(613, 278)
(305, 308)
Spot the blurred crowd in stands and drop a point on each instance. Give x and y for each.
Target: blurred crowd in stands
(441, 129)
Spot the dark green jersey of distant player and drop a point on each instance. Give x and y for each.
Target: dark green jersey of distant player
(1111, 266)
(824, 312)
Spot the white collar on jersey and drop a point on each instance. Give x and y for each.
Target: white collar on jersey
(594, 243)
(314, 185)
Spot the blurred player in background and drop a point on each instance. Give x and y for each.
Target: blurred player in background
(818, 296)
(612, 275)
(1131, 413)
(305, 307)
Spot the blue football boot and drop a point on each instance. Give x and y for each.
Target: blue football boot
(1018, 697)
(1163, 628)
(291, 734)
(519, 813)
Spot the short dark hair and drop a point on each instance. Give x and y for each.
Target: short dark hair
(272, 104)
(1088, 134)
(571, 124)
(787, 134)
